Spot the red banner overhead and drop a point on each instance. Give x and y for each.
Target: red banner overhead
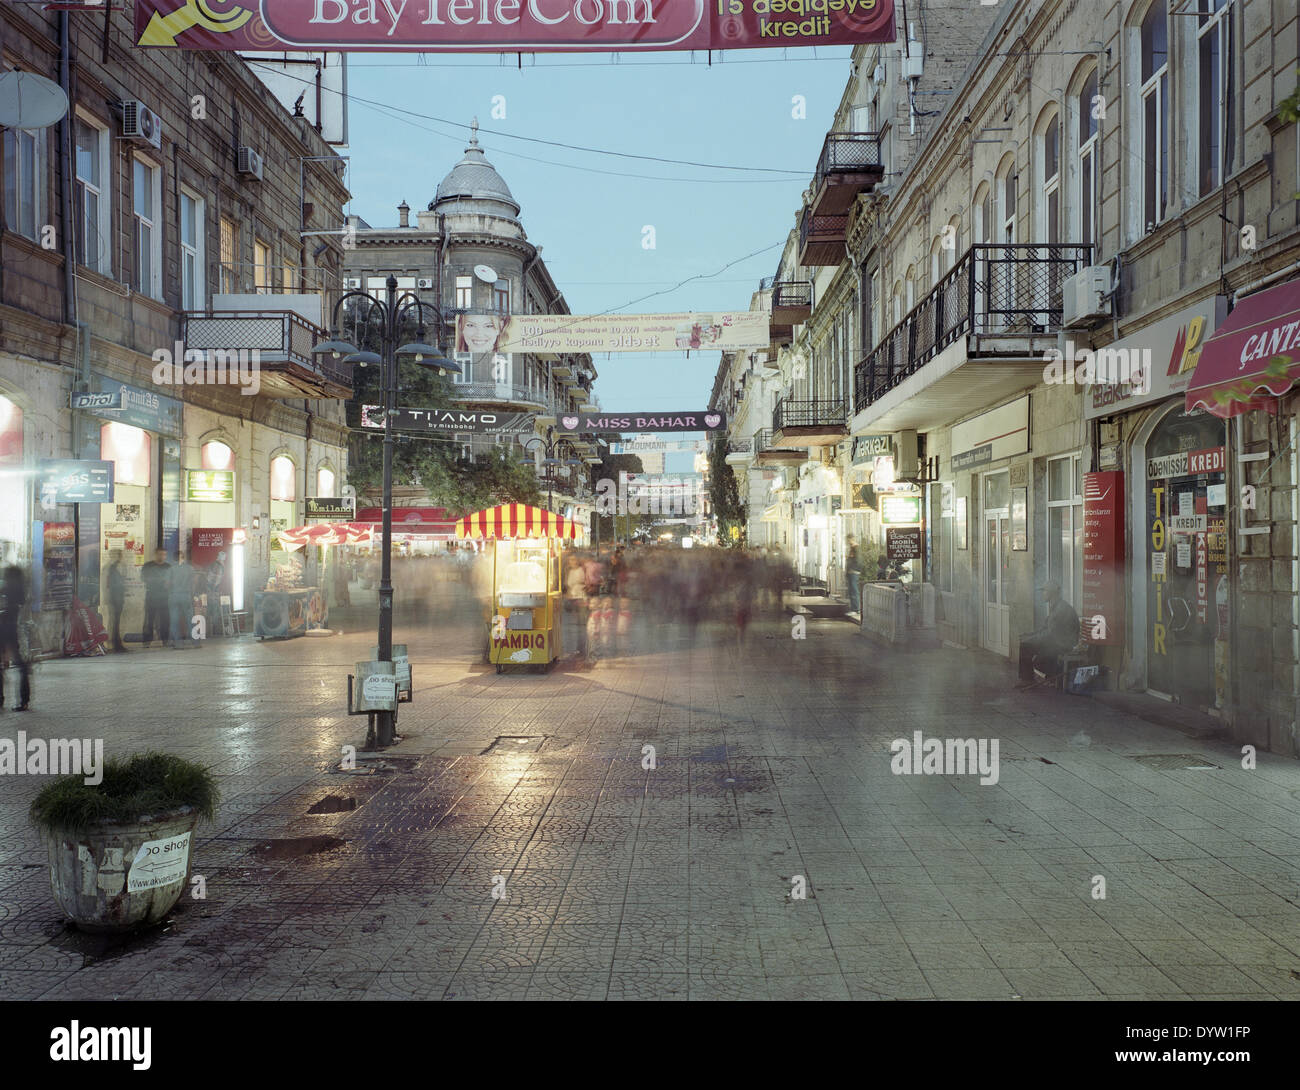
(509, 26)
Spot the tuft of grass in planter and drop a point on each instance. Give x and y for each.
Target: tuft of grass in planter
(145, 784)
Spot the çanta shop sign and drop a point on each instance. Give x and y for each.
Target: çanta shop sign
(534, 26)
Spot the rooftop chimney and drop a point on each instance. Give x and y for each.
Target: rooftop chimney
(404, 212)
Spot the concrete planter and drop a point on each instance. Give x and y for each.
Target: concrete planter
(91, 870)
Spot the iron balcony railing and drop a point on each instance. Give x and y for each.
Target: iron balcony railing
(825, 226)
(1008, 289)
(848, 152)
(763, 441)
(740, 446)
(792, 293)
(497, 391)
(809, 414)
(766, 283)
(279, 337)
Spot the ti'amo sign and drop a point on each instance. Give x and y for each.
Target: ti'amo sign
(508, 26)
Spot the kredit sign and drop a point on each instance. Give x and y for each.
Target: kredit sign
(508, 26)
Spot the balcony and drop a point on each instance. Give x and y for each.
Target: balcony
(809, 423)
(821, 239)
(849, 164)
(978, 336)
(767, 452)
(499, 395)
(282, 339)
(792, 302)
(740, 452)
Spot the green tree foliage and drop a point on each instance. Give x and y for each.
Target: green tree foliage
(608, 470)
(724, 494)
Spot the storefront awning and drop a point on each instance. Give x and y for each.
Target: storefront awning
(512, 520)
(1253, 357)
(420, 521)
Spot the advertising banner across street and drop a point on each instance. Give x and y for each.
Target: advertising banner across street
(555, 334)
(507, 26)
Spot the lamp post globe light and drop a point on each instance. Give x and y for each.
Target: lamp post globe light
(551, 446)
(389, 313)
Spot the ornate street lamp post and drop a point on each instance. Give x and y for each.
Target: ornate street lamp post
(389, 313)
(551, 447)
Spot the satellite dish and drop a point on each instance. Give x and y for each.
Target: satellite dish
(486, 273)
(29, 101)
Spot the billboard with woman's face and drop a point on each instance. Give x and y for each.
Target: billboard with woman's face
(479, 332)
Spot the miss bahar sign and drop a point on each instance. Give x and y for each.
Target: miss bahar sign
(507, 26)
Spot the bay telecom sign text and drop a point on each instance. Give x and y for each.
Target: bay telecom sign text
(496, 26)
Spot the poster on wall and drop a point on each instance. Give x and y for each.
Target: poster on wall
(1103, 557)
(210, 555)
(58, 565)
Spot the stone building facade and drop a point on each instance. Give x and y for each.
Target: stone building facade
(137, 225)
(468, 254)
(1107, 181)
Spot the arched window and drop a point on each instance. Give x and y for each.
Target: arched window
(127, 447)
(1083, 122)
(214, 454)
(1005, 223)
(909, 281)
(896, 303)
(325, 481)
(936, 261)
(1048, 151)
(1217, 93)
(1154, 117)
(283, 479)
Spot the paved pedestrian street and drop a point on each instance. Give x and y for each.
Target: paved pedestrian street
(525, 841)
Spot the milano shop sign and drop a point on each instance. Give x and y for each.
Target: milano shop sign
(509, 26)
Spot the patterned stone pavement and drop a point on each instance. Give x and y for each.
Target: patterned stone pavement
(677, 882)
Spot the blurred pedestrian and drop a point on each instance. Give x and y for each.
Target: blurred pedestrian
(117, 599)
(156, 576)
(853, 572)
(180, 603)
(575, 605)
(11, 653)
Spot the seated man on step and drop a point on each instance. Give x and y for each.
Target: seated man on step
(1044, 646)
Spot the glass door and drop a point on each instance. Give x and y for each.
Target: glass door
(997, 560)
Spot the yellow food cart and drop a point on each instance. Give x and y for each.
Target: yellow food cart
(527, 602)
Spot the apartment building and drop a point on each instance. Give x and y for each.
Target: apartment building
(165, 215)
(468, 255)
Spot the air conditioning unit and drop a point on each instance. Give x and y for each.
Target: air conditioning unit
(352, 282)
(907, 462)
(425, 282)
(1085, 297)
(250, 162)
(141, 124)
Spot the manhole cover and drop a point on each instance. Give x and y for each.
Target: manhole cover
(1172, 762)
(513, 743)
(333, 804)
(296, 847)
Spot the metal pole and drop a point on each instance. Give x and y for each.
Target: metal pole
(384, 727)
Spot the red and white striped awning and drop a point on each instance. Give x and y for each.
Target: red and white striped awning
(516, 520)
(323, 533)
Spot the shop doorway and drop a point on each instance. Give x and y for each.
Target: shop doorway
(997, 557)
(1186, 532)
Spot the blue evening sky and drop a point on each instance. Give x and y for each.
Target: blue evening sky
(588, 210)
